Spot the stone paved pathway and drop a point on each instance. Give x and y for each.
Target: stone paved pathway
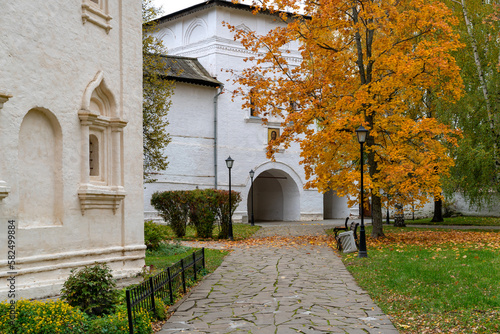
(303, 289)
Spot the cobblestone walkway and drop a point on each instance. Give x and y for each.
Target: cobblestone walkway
(260, 290)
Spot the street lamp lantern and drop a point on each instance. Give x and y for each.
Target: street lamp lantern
(361, 132)
(252, 173)
(229, 164)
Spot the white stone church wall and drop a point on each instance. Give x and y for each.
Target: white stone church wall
(190, 152)
(50, 56)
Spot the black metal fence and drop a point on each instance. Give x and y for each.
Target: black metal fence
(163, 285)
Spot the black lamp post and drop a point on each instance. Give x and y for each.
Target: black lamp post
(252, 173)
(361, 132)
(229, 164)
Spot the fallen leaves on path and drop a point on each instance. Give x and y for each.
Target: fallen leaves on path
(271, 241)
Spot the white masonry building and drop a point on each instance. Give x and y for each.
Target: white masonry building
(70, 136)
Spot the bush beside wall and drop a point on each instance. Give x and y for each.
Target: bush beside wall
(201, 207)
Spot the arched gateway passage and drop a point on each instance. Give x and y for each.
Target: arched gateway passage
(276, 197)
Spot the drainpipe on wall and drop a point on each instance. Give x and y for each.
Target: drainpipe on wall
(216, 99)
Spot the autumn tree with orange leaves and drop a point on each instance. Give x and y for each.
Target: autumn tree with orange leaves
(370, 63)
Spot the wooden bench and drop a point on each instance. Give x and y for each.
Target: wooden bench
(353, 226)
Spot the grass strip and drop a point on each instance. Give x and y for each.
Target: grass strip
(433, 281)
(240, 232)
(168, 254)
(462, 220)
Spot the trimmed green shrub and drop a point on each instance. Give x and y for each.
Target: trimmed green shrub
(154, 234)
(173, 207)
(222, 204)
(92, 289)
(202, 207)
(203, 211)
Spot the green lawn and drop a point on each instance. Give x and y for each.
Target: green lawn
(240, 232)
(168, 254)
(462, 220)
(433, 281)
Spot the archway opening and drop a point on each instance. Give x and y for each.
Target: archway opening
(334, 206)
(276, 197)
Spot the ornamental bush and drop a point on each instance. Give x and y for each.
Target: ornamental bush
(154, 234)
(92, 289)
(202, 211)
(222, 204)
(173, 207)
(202, 207)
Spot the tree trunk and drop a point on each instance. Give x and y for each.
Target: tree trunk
(377, 217)
(399, 217)
(438, 211)
(482, 81)
(378, 230)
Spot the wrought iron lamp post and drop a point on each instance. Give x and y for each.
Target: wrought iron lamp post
(229, 164)
(252, 173)
(361, 132)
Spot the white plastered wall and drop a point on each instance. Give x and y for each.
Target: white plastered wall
(48, 57)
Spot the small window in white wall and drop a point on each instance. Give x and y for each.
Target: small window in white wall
(94, 155)
(102, 143)
(254, 111)
(96, 12)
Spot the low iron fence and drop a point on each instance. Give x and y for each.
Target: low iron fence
(163, 285)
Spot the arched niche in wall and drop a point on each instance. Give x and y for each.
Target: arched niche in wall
(102, 140)
(196, 31)
(40, 170)
(167, 36)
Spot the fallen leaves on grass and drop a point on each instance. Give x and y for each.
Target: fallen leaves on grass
(474, 321)
(474, 240)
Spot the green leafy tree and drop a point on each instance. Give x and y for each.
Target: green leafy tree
(476, 171)
(157, 92)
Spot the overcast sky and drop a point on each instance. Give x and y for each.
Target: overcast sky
(170, 6)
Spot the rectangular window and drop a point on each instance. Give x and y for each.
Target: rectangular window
(96, 12)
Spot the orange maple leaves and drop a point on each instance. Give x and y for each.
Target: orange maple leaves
(380, 64)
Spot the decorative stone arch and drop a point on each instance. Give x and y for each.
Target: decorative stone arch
(243, 27)
(196, 27)
(101, 147)
(165, 35)
(277, 191)
(40, 183)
